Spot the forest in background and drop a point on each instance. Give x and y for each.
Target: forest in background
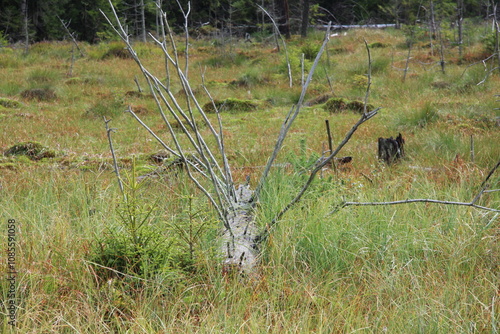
(35, 20)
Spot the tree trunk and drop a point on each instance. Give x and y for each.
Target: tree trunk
(432, 26)
(239, 244)
(24, 13)
(143, 22)
(305, 18)
(284, 21)
(460, 18)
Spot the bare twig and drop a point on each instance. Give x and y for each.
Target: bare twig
(284, 44)
(369, 83)
(472, 148)
(186, 30)
(410, 43)
(137, 83)
(115, 163)
(329, 134)
(492, 171)
(472, 203)
(481, 61)
(302, 70)
(116, 271)
(487, 75)
(227, 168)
(418, 200)
(71, 35)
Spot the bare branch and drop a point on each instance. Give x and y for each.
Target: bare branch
(115, 163)
(298, 197)
(472, 203)
(227, 168)
(492, 171)
(419, 200)
(481, 61)
(160, 91)
(369, 83)
(71, 35)
(186, 30)
(284, 44)
(292, 115)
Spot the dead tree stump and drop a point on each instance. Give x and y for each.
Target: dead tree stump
(390, 150)
(238, 244)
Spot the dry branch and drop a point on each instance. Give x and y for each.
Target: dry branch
(71, 35)
(289, 119)
(472, 203)
(115, 163)
(284, 44)
(363, 119)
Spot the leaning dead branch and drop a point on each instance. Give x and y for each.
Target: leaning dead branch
(115, 163)
(71, 35)
(364, 117)
(290, 118)
(277, 31)
(417, 200)
(314, 172)
(472, 203)
(495, 55)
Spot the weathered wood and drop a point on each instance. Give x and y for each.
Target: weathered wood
(238, 244)
(390, 149)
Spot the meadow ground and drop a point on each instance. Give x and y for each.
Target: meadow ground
(416, 268)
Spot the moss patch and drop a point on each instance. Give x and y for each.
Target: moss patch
(8, 103)
(230, 104)
(39, 94)
(359, 106)
(32, 150)
(335, 105)
(117, 51)
(339, 104)
(376, 45)
(319, 99)
(83, 81)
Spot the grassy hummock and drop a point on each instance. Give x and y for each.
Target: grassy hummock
(33, 150)
(230, 105)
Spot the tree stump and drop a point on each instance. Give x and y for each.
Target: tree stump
(390, 150)
(238, 245)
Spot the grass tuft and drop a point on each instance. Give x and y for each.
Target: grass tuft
(33, 150)
(39, 94)
(8, 103)
(230, 105)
